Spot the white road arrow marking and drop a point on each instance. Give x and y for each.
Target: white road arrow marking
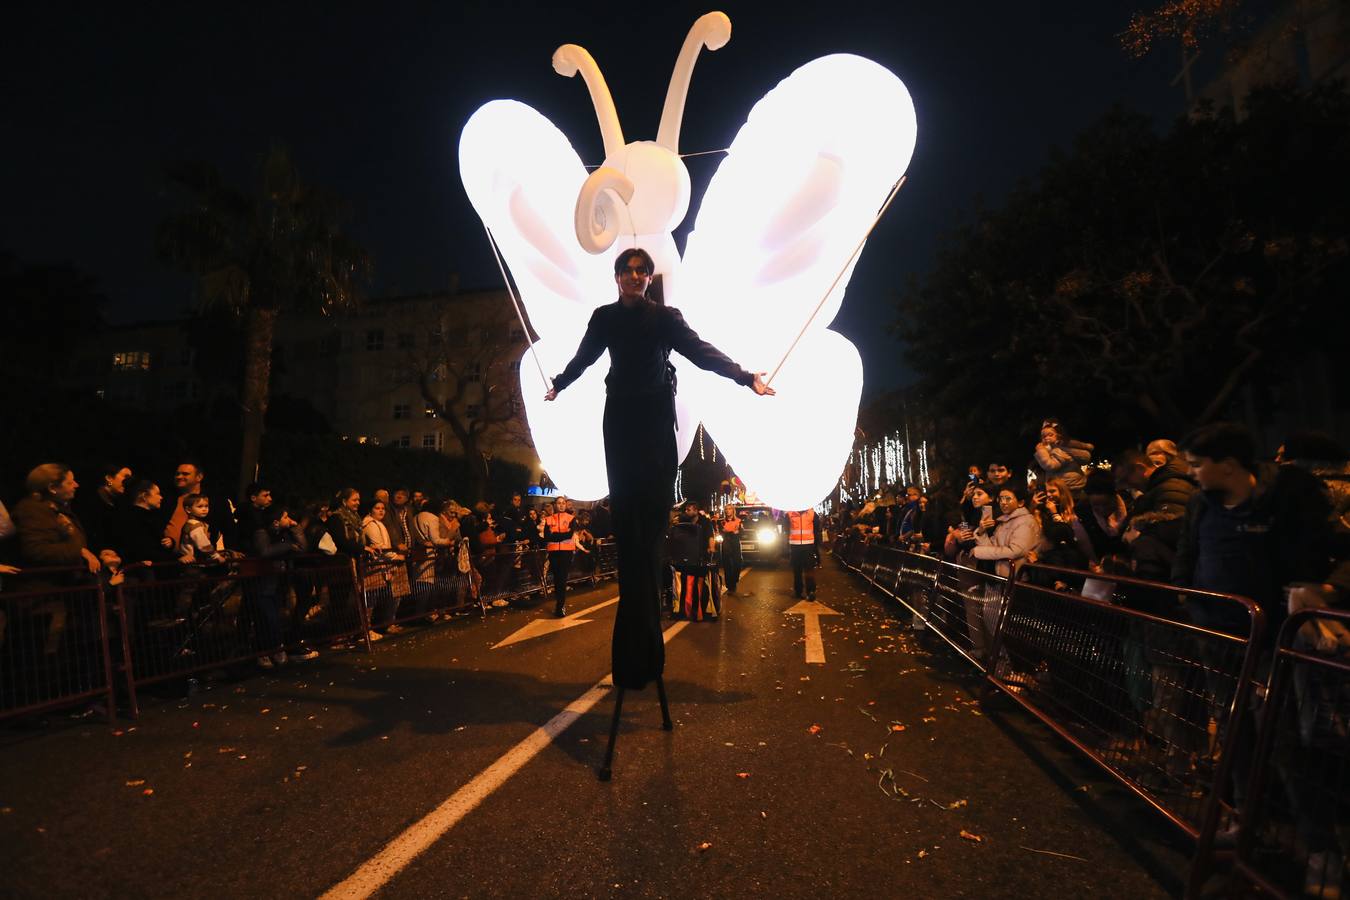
(550, 625)
(811, 611)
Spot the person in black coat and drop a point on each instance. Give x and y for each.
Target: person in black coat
(640, 459)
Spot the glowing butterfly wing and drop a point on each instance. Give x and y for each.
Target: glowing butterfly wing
(799, 187)
(522, 177)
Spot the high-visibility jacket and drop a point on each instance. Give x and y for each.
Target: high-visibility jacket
(732, 525)
(802, 527)
(559, 527)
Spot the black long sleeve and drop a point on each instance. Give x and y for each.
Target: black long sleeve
(639, 340)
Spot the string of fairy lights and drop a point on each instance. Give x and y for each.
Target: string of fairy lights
(888, 461)
(891, 460)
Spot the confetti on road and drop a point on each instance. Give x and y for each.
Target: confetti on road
(814, 729)
(973, 838)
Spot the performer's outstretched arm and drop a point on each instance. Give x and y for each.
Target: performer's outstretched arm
(588, 351)
(706, 356)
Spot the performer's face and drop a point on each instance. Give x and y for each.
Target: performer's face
(633, 279)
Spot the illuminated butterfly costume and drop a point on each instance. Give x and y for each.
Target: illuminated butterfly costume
(782, 216)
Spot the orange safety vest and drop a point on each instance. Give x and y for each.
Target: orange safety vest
(801, 527)
(559, 522)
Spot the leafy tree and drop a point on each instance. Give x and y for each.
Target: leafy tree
(1143, 280)
(277, 250)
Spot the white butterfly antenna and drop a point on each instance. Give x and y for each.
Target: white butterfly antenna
(711, 30)
(596, 216)
(548, 385)
(568, 60)
(848, 262)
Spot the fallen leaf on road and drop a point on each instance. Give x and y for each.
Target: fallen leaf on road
(956, 804)
(704, 846)
(922, 854)
(742, 774)
(897, 728)
(930, 718)
(268, 709)
(967, 836)
(136, 782)
(118, 733)
(148, 792)
(225, 750)
(814, 729)
(763, 814)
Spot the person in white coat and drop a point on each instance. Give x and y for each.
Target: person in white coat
(1013, 534)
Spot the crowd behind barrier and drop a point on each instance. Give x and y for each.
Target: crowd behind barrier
(110, 588)
(1133, 603)
(64, 645)
(1183, 716)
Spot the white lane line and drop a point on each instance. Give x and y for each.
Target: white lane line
(381, 868)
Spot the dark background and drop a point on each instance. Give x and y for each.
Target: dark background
(99, 97)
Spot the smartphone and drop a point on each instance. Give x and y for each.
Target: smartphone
(986, 513)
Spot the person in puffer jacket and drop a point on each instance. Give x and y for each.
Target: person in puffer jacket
(1015, 532)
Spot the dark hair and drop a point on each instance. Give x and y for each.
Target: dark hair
(1131, 457)
(1100, 483)
(257, 488)
(144, 486)
(195, 463)
(1222, 440)
(110, 470)
(1314, 445)
(621, 261)
(1013, 487)
(343, 495)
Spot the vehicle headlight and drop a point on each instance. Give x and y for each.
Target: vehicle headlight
(766, 535)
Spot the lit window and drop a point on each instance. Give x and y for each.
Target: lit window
(375, 339)
(361, 439)
(429, 441)
(429, 412)
(131, 360)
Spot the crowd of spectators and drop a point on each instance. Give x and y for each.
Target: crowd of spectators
(1207, 513)
(121, 528)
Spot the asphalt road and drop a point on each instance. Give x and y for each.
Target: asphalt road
(857, 777)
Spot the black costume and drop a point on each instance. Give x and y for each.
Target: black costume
(639, 429)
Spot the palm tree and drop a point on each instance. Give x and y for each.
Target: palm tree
(279, 250)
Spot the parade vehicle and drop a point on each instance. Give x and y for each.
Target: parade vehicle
(762, 537)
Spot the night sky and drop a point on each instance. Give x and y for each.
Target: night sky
(371, 102)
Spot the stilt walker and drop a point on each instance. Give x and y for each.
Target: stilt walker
(640, 457)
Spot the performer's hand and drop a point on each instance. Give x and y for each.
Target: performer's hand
(552, 394)
(759, 387)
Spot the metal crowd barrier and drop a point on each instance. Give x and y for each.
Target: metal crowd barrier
(1159, 702)
(54, 642)
(1119, 667)
(177, 620)
(1291, 838)
(959, 605)
(62, 641)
